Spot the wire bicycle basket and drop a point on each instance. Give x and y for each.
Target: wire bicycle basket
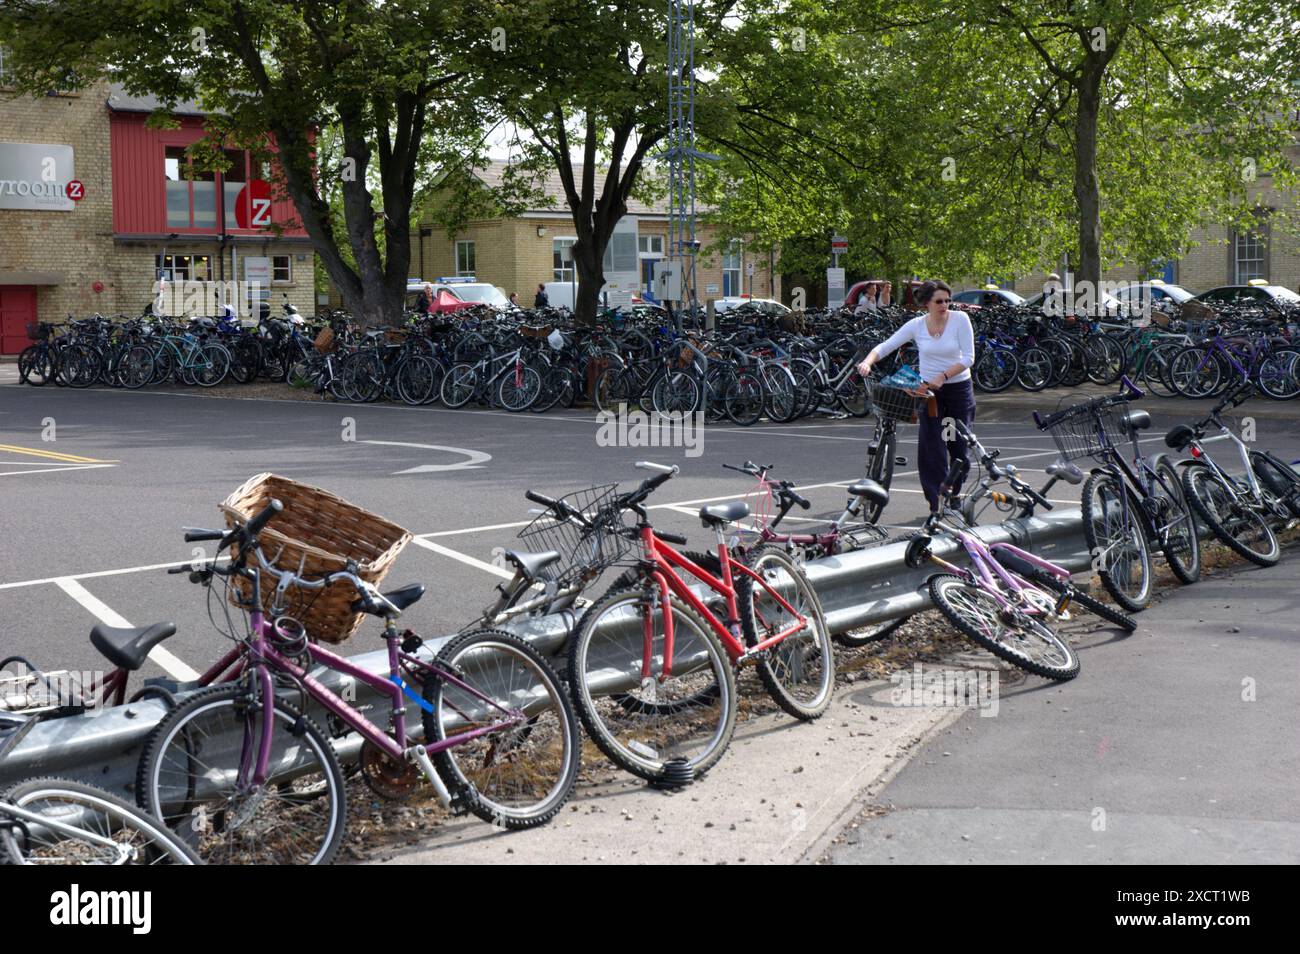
(1086, 430)
(890, 403)
(584, 550)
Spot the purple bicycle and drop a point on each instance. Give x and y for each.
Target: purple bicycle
(1009, 599)
(245, 776)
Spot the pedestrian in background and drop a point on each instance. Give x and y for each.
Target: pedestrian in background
(424, 301)
(541, 300)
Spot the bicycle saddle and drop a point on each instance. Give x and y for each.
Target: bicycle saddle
(402, 597)
(1137, 419)
(531, 564)
(718, 515)
(1179, 437)
(128, 646)
(869, 489)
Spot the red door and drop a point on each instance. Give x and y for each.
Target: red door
(17, 311)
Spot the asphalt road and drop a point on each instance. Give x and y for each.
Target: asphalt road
(1154, 733)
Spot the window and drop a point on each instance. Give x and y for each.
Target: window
(620, 253)
(281, 269)
(563, 269)
(6, 73)
(465, 258)
(191, 202)
(731, 284)
(651, 245)
(1248, 253)
(233, 181)
(183, 268)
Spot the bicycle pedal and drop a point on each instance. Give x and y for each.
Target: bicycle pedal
(900, 461)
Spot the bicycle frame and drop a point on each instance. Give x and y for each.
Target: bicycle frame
(1197, 450)
(664, 559)
(265, 657)
(982, 558)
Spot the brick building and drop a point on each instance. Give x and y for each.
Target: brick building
(138, 216)
(521, 252)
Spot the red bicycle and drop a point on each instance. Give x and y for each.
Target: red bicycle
(651, 664)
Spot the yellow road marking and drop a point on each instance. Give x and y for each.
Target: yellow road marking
(53, 455)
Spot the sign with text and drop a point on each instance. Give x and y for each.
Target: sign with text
(253, 206)
(834, 287)
(36, 175)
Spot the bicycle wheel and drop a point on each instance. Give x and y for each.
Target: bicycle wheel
(133, 837)
(781, 398)
(1230, 517)
(517, 389)
(880, 468)
(869, 634)
(638, 715)
(416, 380)
(246, 360)
(1279, 374)
(1117, 540)
(799, 671)
(1035, 369)
(1174, 523)
(612, 388)
(743, 397)
(1154, 371)
(1103, 359)
(518, 776)
(135, 367)
(995, 370)
(1008, 634)
(189, 777)
(1194, 373)
(34, 365)
(459, 385)
(675, 392)
(851, 393)
(1281, 480)
(212, 365)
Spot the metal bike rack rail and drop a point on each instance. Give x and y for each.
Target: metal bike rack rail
(856, 589)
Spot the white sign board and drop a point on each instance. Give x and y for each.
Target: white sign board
(257, 275)
(35, 175)
(710, 289)
(834, 287)
(668, 281)
(839, 244)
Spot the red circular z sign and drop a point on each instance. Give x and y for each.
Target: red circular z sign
(253, 205)
(76, 190)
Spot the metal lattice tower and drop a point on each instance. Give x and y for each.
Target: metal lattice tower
(681, 152)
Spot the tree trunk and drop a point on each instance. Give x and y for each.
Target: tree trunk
(1087, 187)
(589, 262)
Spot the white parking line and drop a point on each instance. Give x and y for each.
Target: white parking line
(166, 660)
(51, 470)
(463, 558)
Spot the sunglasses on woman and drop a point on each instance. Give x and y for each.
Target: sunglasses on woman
(940, 301)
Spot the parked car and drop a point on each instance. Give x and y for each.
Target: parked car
(1155, 292)
(987, 297)
(765, 306)
(1110, 305)
(1276, 298)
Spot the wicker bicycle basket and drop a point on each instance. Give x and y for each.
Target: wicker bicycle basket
(892, 404)
(583, 550)
(321, 532)
(325, 342)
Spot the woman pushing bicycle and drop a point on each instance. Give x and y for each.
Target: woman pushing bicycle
(945, 343)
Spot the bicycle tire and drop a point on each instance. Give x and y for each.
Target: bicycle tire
(717, 687)
(483, 789)
(180, 806)
(787, 660)
(944, 589)
(1089, 602)
(78, 799)
(1182, 546)
(1199, 484)
(459, 385)
(880, 468)
(1282, 480)
(1097, 548)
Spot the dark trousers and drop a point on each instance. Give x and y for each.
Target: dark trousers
(933, 453)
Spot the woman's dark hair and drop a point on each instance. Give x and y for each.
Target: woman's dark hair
(927, 290)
